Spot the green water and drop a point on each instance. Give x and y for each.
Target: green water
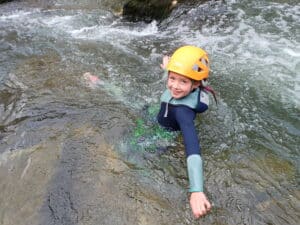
(147, 135)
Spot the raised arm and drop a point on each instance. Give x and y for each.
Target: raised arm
(165, 62)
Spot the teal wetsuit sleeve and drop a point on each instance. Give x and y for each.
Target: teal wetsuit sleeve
(195, 173)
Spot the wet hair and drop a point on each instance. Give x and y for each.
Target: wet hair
(210, 90)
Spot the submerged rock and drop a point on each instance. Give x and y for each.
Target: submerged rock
(3, 1)
(148, 10)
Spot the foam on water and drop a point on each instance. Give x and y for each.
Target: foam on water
(113, 33)
(253, 47)
(267, 45)
(18, 14)
(58, 21)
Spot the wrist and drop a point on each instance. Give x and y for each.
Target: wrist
(195, 173)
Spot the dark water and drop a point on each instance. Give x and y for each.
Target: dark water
(75, 153)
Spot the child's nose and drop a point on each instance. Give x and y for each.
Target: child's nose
(176, 85)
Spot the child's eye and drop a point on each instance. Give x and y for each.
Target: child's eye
(184, 81)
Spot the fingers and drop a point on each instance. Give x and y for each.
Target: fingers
(165, 62)
(208, 206)
(201, 211)
(199, 204)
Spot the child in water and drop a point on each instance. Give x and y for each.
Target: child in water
(185, 96)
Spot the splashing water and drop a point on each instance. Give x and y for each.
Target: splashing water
(64, 134)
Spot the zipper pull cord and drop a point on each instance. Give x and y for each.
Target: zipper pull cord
(167, 108)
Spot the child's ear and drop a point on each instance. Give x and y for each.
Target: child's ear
(196, 84)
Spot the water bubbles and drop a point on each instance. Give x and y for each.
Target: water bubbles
(292, 52)
(223, 146)
(253, 46)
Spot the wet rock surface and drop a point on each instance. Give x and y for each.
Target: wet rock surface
(149, 10)
(3, 1)
(65, 149)
(136, 10)
(63, 168)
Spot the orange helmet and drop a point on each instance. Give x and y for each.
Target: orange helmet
(191, 62)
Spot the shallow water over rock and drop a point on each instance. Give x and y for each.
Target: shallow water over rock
(76, 153)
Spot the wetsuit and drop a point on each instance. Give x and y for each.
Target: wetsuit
(179, 114)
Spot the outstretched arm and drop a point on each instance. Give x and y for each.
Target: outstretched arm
(198, 201)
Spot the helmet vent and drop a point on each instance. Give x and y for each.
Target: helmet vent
(204, 61)
(196, 68)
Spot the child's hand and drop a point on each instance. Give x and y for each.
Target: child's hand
(165, 62)
(92, 80)
(199, 204)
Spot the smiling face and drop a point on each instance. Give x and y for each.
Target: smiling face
(180, 86)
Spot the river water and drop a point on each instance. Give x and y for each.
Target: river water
(79, 153)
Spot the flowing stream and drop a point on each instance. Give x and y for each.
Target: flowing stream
(72, 152)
